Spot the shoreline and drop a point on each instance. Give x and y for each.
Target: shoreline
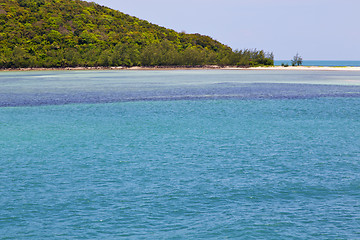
(309, 68)
(210, 67)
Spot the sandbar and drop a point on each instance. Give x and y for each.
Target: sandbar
(207, 67)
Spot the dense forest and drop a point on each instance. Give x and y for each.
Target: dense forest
(72, 33)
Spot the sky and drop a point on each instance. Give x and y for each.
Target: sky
(316, 29)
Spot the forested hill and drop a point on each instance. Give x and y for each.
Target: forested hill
(70, 33)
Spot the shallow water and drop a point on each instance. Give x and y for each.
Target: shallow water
(61, 87)
(244, 168)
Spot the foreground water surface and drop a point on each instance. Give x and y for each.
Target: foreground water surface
(270, 161)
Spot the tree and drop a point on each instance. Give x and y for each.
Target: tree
(62, 33)
(297, 60)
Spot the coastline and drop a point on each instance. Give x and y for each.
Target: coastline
(308, 68)
(210, 67)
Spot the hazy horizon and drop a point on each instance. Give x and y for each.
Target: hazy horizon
(317, 30)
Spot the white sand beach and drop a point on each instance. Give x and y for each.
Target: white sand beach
(301, 68)
(210, 67)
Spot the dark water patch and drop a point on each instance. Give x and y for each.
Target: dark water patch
(215, 91)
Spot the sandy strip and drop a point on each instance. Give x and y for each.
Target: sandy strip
(305, 68)
(211, 67)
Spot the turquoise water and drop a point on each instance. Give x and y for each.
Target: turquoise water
(248, 167)
(327, 63)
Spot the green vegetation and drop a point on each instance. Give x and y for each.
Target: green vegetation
(72, 33)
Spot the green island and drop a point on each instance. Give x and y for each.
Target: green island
(75, 33)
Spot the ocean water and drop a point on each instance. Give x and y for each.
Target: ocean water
(230, 155)
(325, 63)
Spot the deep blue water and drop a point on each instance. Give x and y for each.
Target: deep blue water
(325, 63)
(276, 163)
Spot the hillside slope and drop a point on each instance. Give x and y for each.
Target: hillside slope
(69, 33)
